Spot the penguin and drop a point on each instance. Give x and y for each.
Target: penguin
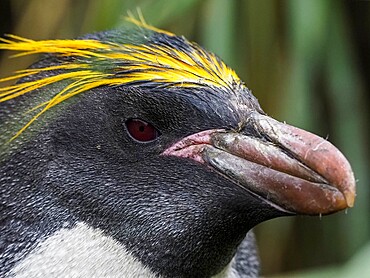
(137, 153)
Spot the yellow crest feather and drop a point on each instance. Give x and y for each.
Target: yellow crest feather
(91, 64)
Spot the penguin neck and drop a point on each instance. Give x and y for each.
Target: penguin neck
(87, 252)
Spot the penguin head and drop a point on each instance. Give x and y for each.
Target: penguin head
(160, 145)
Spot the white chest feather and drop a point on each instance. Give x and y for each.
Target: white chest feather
(80, 252)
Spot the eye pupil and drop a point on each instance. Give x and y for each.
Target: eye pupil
(141, 131)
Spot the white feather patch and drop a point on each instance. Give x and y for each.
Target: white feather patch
(80, 252)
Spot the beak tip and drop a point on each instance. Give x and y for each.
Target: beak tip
(350, 196)
(349, 191)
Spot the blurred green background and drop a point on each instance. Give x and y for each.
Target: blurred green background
(308, 63)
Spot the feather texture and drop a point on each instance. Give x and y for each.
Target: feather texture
(161, 59)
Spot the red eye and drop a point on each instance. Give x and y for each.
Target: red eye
(141, 131)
